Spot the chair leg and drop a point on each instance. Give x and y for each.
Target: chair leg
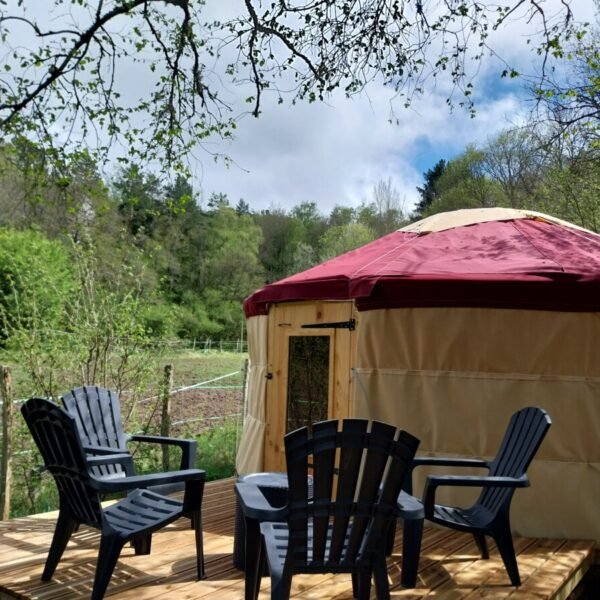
(197, 523)
(382, 585)
(65, 526)
(142, 545)
(363, 578)
(481, 545)
(110, 548)
(411, 550)
(281, 584)
(253, 559)
(391, 536)
(503, 538)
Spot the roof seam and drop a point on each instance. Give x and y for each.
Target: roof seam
(390, 251)
(539, 250)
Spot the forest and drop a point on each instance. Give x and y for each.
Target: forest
(102, 253)
(186, 265)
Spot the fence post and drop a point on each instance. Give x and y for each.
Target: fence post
(165, 423)
(7, 419)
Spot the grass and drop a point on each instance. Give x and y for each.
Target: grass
(216, 451)
(194, 367)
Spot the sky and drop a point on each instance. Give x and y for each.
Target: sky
(335, 152)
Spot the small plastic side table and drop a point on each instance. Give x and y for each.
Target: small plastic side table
(274, 487)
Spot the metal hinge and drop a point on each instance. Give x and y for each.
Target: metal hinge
(351, 325)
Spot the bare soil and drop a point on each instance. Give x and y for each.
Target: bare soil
(194, 410)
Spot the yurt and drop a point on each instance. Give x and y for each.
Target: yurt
(444, 328)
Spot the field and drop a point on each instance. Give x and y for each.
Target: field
(206, 404)
(218, 399)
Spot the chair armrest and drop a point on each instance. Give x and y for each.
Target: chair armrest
(440, 461)
(117, 458)
(443, 461)
(408, 507)
(145, 481)
(254, 505)
(433, 482)
(188, 447)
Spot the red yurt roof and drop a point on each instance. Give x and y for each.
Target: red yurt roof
(494, 257)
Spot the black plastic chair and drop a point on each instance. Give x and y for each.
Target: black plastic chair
(342, 527)
(489, 515)
(133, 518)
(97, 412)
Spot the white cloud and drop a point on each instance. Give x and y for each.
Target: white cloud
(335, 153)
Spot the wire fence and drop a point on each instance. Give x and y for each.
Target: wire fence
(211, 411)
(239, 345)
(208, 345)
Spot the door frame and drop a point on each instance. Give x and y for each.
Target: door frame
(286, 320)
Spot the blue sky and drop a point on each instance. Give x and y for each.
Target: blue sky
(336, 152)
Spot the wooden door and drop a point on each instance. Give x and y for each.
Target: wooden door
(310, 353)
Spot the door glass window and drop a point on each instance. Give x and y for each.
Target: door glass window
(308, 380)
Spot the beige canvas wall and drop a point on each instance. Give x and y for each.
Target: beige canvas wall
(454, 376)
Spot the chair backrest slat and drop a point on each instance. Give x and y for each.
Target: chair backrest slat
(357, 476)
(378, 451)
(97, 412)
(524, 434)
(351, 452)
(324, 451)
(297, 453)
(56, 436)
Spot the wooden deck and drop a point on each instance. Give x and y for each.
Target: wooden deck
(449, 567)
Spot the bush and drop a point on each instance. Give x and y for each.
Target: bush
(36, 279)
(216, 451)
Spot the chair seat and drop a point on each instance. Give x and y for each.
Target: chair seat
(473, 517)
(276, 537)
(141, 512)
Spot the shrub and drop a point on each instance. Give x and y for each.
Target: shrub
(217, 448)
(36, 279)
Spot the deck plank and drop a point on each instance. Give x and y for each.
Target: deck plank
(449, 569)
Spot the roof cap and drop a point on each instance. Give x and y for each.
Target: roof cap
(472, 216)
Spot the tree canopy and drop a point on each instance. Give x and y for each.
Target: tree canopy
(66, 70)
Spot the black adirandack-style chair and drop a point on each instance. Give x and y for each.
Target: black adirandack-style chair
(133, 518)
(489, 515)
(357, 475)
(97, 412)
